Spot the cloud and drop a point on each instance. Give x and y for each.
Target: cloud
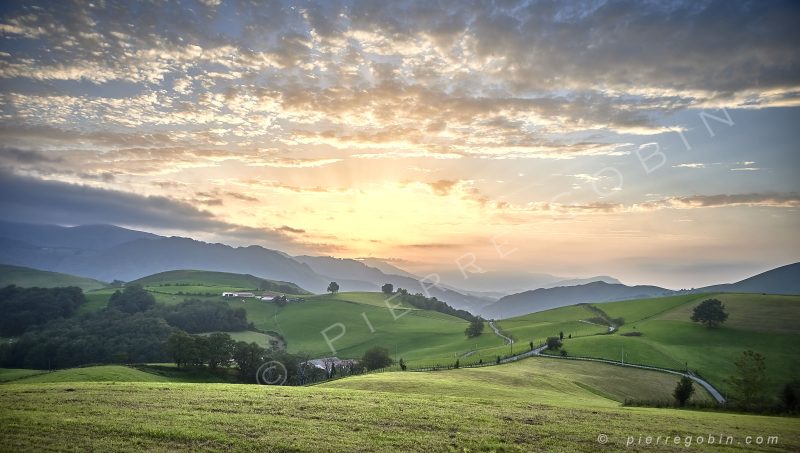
(690, 165)
(33, 200)
(442, 186)
(395, 80)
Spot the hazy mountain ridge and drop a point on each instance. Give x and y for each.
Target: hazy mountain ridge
(547, 298)
(781, 280)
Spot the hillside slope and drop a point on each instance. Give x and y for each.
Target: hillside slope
(781, 280)
(507, 408)
(28, 278)
(217, 279)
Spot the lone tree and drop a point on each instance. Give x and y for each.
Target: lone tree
(750, 378)
(710, 312)
(553, 343)
(475, 327)
(376, 357)
(683, 391)
(333, 287)
(387, 288)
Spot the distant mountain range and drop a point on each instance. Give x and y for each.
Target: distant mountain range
(782, 280)
(547, 298)
(107, 253)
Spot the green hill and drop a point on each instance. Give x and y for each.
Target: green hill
(102, 373)
(533, 405)
(420, 337)
(188, 281)
(668, 338)
(28, 278)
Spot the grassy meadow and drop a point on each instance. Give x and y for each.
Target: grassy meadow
(533, 405)
(669, 339)
(420, 337)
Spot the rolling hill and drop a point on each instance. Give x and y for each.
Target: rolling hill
(420, 337)
(533, 405)
(27, 277)
(210, 279)
(781, 280)
(668, 339)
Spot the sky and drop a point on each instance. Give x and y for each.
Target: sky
(652, 141)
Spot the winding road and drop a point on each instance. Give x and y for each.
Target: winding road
(538, 352)
(508, 340)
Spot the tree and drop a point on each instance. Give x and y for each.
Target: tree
(281, 301)
(182, 348)
(333, 288)
(683, 391)
(531, 345)
(403, 365)
(132, 299)
(457, 364)
(475, 327)
(248, 357)
(387, 288)
(710, 312)
(376, 357)
(561, 335)
(220, 349)
(750, 378)
(553, 343)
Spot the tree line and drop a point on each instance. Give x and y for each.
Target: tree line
(132, 328)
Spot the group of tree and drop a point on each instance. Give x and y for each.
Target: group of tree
(196, 316)
(749, 388)
(132, 328)
(105, 336)
(187, 350)
(132, 299)
(430, 303)
(22, 308)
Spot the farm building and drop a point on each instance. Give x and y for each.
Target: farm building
(226, 294)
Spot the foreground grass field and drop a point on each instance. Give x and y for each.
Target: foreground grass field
(535, 405)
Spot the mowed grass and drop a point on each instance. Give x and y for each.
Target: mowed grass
(538, 405)
(420, 337)
(537, 327)
(636, 310)
(754, 312)
(671, 340)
